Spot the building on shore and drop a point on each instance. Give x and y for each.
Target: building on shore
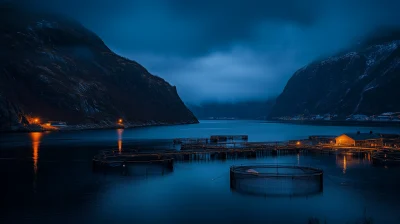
(56, 124)
(359, 139)
(358, 117)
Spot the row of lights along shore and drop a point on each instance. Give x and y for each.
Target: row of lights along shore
(37, 121)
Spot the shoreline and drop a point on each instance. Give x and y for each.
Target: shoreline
(338, 123)
(84, 127)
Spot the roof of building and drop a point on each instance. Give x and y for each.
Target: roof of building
(362, 136)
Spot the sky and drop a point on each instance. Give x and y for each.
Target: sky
(226, 50)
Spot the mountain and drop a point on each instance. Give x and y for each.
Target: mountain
(237, 110)
(362, 80)
(53, 68)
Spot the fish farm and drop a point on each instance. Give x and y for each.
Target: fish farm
(109, 159)
(223, 147)
(276, 180)
(386, 158)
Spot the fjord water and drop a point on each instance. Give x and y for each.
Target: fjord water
(48, 178)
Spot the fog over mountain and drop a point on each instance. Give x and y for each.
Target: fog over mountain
(229, 49)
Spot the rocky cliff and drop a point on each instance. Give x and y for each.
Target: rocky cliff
(55, 69)
(364, 80)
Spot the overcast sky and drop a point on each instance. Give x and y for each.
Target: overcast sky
(226, 49)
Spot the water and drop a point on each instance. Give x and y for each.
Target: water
(47, 177)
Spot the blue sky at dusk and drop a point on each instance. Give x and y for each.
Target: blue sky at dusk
(227, 49)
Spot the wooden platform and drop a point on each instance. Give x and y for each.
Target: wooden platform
(190, 140)
(217, 138)
(203, 148)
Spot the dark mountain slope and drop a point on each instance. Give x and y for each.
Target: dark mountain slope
(365, 81)
(54, 68)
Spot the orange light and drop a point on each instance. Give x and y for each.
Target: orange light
(120, 121)
(298, 143)
(36, 120)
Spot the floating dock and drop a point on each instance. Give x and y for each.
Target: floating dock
(218, 138)
(190, 140)
(116, 158)
(213, 139)
(218, 147)
(219, 152)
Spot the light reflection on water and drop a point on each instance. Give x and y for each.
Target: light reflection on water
(120, 131)
(197, 189)
(35, 136)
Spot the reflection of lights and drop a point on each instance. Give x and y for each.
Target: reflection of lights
(344, 164)
(298, 158)
(120, 131)
(35, 136)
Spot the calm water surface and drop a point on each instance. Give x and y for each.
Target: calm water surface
(48, 178)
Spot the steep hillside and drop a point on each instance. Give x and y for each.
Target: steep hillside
(363, 81)
(53, 68)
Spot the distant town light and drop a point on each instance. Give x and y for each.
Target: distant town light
(298, 143)
(120, 121)
(36, 120)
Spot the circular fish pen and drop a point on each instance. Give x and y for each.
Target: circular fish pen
(386, 158)
(276, 180)
(123, 160)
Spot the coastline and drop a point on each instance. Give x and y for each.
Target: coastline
(338, 123)
(92, 126)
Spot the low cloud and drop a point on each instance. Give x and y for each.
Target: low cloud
(226, 49)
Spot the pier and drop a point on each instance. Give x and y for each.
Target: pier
(218, 147)
(218, 138)
(224, 150)
(190, 140)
